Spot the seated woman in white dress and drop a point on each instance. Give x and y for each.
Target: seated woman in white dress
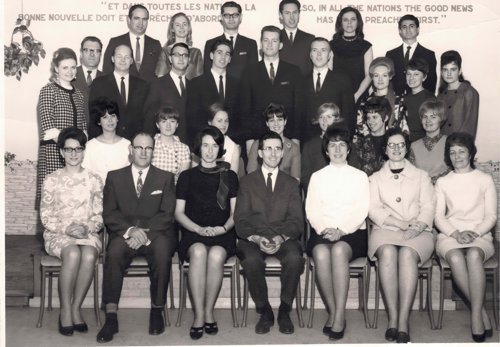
(466, 211)
(71, 213)
(108, 151)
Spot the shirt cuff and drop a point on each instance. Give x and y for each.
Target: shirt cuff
(126, 235)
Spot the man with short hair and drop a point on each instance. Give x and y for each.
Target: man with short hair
(146, 50)
(170, 90)
(296, 43)
(244, 48)
(271, 80)
(86, 73)
(213, 86)
(128, 91)
(324, 86)
(138, 210)
(409, 28)
(269, 221)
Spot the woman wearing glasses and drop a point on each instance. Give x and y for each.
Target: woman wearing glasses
(71, 213)
(402, 209)
(180, 30)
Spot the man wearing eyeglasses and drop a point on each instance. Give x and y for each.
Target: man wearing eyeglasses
(138, 210)
(244, 48)
(86, 73)
(171, 90)
(269, 221)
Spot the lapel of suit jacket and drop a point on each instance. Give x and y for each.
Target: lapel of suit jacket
(128, 181)
(148, 182)
(400, 54)
(280, 75)
(171, 86)
(132, 88)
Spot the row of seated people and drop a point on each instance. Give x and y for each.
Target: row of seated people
(261, 215)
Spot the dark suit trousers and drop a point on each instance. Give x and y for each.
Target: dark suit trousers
(119, 256)
(253, 262)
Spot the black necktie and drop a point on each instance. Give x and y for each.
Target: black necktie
(291, 37)
(271, 71)
(138, 53)
(232, 42)
(123, 92)
(183, 88)
(407, 56)
(318, 83)
(89, 77)
(221, 88)
(269, 183)
(139, 185)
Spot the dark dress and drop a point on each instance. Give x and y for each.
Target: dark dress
(366, 154)
(199, 190)
(349, 58)
(358, 241)
(412, 103)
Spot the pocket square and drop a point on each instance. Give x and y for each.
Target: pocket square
(156, 192)
(243, 53)
(285, 83)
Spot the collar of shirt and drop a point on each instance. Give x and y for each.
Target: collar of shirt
(93, 73)
(412, 50)
(133, 40)
(118, 79)
(175, 78)
(227, 36)
(323, 73)
(159, 143)
(294, 31)
(409, 171)
(135, 174)
(216, 78)
(274, 174)
(267, 63)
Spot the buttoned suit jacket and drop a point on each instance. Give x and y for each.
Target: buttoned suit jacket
(257, 92)
(152, 50)
(131, 114)
(163, 92)
(298, 52)
(80, 82)
(399, 79)
(244, 54)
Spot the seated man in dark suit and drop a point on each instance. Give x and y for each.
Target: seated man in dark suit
(326, 86)
(138, 211)
(271, 80)
(127, 91)
(90, 57)
(409, 28)
(269, 221)
(296, 43)
(146, 50)
(213, 86)
(170, 90)
(244, 49)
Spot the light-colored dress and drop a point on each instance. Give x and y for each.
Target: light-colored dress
(466, 201)
(101, 157)
(406, 195)
(71, 199)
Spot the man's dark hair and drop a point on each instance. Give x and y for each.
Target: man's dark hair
(408, 17)
(230, 4)
(268, 136)
(286, 2)
(219, 42)
(91, 39)
(135, 7)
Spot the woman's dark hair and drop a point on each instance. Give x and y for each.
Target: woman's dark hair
(71, 133)
(102, 105)
(380, 105)
(60, 55)
(167, 112)
(274, 110)
(449, 57)
(339, 31)
(460, 139)
(215, 108)
(216, 135)
(418, 64)
(335, 133)
(393, 132)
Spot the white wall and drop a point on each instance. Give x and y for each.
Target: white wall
(474, 33)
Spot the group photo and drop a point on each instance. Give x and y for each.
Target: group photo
(195, 172)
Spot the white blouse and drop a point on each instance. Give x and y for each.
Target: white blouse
(103, 157)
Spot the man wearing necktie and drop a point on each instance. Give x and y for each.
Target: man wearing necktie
(86, 73)
(269, 221)
(138, 210)
(409, 29)
(145, 50)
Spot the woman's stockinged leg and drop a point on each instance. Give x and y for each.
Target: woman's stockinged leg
(84, 278)
(341, 254)
(215, 271)
(388, 271)
(70, 256)
(323, 264)
(197, 280)
(477, 285)
(408, 278)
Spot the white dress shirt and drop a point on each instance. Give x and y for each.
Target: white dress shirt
(118, 79)
(267, 63)
(175, 78)
(217, 78)
(323, 73)
(412, 49)
(133, 42)
(274, 175)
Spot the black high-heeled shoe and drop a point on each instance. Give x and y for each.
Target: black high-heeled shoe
(66, 331)
(479, 337)
(488, 333)
(82, 327)
(337, 335)
(391, 334)
(211, 328)
(196, 332)
(326, 330)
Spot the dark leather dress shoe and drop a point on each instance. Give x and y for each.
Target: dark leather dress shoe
(479, 337)
(326, 330)
(391, 334)
(266, 321)
(82, 327)
(488, 333)
(109, 328)
(196, 332)
(211, 328)
(285, 323)
(156, 322)
(66, 331)
(403, 337)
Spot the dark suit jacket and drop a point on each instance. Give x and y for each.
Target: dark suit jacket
(298, 52)
(336, 88)
(244, 54)
(399, 79)
(163, 92)
(257, 92)
(122, 208)
(257, 214)
(202, 93)
(80, 82)
(152, 50)
(131, 117)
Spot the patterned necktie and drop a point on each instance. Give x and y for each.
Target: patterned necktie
(271, 71)
(291, 38)
(318, 83)
(269, 183)
(183, 88)
(232, 40)
(89, 77)
(138, 54)
(123, 92)
(221, 88)
(407, 56)
(139, 185)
